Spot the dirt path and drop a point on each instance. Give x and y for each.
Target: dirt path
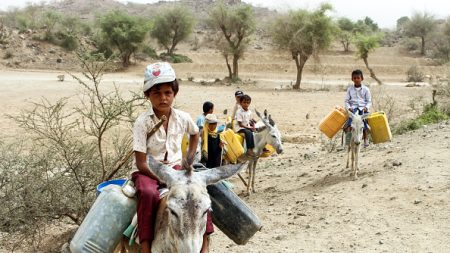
(312, 205)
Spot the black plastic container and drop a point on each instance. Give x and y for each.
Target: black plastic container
(231, 215)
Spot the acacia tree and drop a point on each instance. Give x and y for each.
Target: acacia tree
(49, 20)
(172, 26)
(440, 41)
(303, 33)
(123, 32)
(420, 25)
(345, 32)
(235, 24)
(366, 44)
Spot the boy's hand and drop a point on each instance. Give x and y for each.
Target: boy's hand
(365, 109)
(187, 162)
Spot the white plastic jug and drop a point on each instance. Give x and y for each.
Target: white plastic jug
(103, 226)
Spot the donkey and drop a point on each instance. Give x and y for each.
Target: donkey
(181, 217)
(357, 135)
(267, 133)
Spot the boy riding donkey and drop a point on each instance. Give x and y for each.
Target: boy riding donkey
(357, 100)
(160, 88)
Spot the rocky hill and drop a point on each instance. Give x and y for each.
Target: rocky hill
(24, 51)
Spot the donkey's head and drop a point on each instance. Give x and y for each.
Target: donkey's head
(357, 126)
(184, 217)
(273, 136)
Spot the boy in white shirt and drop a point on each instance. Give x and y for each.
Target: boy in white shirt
(246, 123)
(160, 88)
(359, 100)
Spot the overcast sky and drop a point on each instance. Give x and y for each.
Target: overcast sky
(383, 12)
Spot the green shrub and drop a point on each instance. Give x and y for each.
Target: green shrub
(67, 41)
(149, 51)
(430, 115)
(411, 44)
(236, 79)
(414, 74)
(8, 55)
(175, 58)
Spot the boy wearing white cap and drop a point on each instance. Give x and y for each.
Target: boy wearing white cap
(160, 88)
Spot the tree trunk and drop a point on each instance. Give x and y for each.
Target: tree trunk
(300, 61)
(372, 74)
(422, 49)
(230, 73)
(172, 49)
(126, 59)
(346, 46)
(235, 67)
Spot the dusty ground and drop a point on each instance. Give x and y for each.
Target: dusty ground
(305, 197)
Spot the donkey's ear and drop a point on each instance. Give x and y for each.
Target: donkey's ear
(257, 113)
(214, 175)
(271, 122)
(163, 172)
(265, 113)
(350, 113)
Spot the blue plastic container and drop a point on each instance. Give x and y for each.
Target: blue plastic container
(119, 182)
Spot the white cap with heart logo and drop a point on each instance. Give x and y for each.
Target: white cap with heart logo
(156, 73)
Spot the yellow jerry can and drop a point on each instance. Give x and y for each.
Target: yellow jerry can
(333, 122)
(184, 145)
(379, 127)
(233, 146)
(269, 152)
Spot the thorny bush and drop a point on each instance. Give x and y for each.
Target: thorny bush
(50, 174)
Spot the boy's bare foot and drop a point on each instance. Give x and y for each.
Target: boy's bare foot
(366, 143)
(250, 153)
(205, 246)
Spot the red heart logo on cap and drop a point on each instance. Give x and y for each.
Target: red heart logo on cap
(156, 72)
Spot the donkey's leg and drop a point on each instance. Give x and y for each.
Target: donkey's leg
(357, 149)
(349, 149)
(249, 179)
(254, 175)
(353, 159)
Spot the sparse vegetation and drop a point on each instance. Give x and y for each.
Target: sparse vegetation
(385, 101)
(51, 173)
(5, 33)
(414, 74)
(366, 44)
(345, 32)
(149, 51)
(303, 33)
(430, 115)
(8, 54)
(124, 33)
(234, 25)
(420, 25)
(175, 58)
